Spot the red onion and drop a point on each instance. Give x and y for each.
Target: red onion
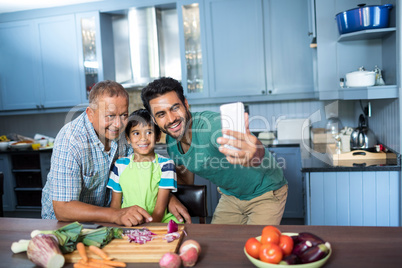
(172, 227)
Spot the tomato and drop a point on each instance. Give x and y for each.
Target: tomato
(286, 244)
(271, 253)
(253, 247)
(271, 228)
(270, 237)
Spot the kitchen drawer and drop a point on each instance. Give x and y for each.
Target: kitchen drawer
(25, 161)
(28, 179)
(28, 197)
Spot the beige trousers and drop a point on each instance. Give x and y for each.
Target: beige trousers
(266, 209)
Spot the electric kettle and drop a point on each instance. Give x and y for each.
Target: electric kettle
(362, 138)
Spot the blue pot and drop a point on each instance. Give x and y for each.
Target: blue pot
(363, 18)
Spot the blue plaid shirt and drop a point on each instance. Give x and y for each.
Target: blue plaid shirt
(79, 167)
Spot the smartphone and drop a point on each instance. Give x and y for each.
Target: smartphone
(232, 117)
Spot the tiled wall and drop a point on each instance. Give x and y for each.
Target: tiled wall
(263, 116)
(384, 121)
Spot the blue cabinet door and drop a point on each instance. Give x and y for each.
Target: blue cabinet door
(353, 198)
(289, 159)
(288, 56)
(235, 45)
(19, 66)
(39, 65)
(60, 62)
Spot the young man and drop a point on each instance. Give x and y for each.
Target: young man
(253, 189)
(82, 156)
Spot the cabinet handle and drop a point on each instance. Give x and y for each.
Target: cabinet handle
(42, 106)
(37, 106)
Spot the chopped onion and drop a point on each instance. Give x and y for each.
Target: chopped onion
(140, 236)
(172, 236)
(144, 235)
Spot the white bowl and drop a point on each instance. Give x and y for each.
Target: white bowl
(360, 79)
(4, 145)
(261, 264)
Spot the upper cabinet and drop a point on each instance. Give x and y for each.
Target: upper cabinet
(254, 50)
(221, 51)
(339, 54)
(40, 67)
(19, 66)
(235, 45)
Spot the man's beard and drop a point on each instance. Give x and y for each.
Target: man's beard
(184, 121)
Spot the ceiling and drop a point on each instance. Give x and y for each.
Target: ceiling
(20, 5)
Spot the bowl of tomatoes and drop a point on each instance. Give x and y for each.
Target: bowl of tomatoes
(274, 249)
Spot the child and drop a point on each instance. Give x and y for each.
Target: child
(144, 178)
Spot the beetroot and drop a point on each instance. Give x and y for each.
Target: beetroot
(189, 257)
(170, 260)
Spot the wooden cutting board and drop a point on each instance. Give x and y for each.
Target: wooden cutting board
(123, 250)
(358, 156)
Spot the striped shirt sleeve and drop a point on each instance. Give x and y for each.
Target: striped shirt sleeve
(168, 177)
(114, 176)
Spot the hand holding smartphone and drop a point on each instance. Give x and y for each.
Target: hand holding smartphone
(232, 117)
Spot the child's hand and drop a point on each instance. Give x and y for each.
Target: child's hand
(132, 216)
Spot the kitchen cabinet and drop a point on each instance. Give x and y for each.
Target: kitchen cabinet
(40, 67)
(235, 45)
(289, 159)
(353, 198)
(25, 174)
(95, 39)
(340, 54)
(19, 67)
(288, 56)
(8, 184)
(191, 16)
(255, 51)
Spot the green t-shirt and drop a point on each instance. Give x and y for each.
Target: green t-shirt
(204, 159)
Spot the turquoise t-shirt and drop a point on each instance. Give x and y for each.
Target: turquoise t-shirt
(204, 159)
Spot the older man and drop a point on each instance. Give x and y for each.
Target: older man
(82, 155)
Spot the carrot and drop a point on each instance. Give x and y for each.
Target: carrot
(99, 252)
(82, 251)
(110, 263)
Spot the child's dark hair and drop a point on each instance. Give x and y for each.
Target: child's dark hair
(141, 117)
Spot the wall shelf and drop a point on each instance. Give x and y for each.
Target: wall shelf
(366, 34)
(366, 93)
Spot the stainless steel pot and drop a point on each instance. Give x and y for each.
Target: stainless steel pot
(362, 138)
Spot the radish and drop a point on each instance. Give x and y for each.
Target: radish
(189, 257)
(170, 260)
(189, 251)
(190, 244)
(43, 250)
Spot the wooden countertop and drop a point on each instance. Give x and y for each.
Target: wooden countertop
(222, 245)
